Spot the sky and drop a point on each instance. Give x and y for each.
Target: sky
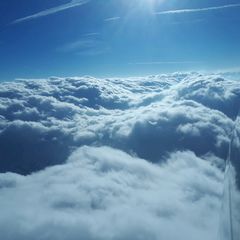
(106, 38)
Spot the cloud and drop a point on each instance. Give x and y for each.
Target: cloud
(119, 158)
(103, 193)
(43, 121)
(89, 45)
(91, 34)
(112, 19)
(71, 4)
(178, 126)
(198, 10)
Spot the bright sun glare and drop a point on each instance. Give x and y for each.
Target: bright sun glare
(150, 5)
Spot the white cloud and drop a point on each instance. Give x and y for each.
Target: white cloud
(170, 134)
(198, 10)
(111, 19)
(44, 120)
(71, 4)
(163, 62)
(102, 193)
(89, 45)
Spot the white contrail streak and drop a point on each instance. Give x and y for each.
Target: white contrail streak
(71, 4)
(193, 10)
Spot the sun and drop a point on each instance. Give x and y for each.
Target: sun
(150, 5)
(141, 9)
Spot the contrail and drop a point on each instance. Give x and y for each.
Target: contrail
(71, 4)
(193, 10)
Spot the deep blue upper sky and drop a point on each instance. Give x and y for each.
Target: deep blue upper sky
(40, 38)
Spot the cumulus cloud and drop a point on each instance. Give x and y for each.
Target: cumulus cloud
(43, 121)
(133, 158)
(192, 127)
(103, 193)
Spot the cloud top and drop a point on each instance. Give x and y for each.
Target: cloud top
(43, 121)
(102, 159)
(103, 193)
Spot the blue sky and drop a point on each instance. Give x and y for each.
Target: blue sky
(41, 38)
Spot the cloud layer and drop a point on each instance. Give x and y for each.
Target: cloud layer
(102, 193)
(134, 158)
(45, 120)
